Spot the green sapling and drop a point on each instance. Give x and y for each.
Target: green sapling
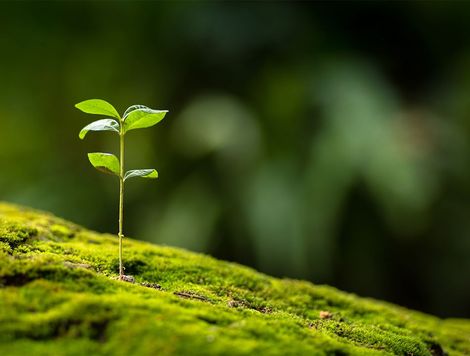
(135, 117)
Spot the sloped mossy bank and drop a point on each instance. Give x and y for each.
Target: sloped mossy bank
(59, 296)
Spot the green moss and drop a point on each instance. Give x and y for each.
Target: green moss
(60, 296)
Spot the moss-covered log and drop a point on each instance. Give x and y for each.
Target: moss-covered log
(59, 296)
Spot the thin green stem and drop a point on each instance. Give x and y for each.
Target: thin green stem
(121, 199)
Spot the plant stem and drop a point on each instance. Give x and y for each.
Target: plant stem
(121, 199)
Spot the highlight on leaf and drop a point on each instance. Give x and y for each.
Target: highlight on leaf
(100, 125)
(140, 116)
(143, 173)
(105, 162)
(98, 107)
(133, 108)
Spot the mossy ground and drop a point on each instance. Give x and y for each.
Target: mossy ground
(59, 296)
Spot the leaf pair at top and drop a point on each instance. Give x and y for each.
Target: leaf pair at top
(135, 117)
(108, 163)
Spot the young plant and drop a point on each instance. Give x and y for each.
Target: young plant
(135, 117)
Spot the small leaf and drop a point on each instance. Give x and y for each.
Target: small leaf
(140, 116)
(144, 173)
(105, 162)
(98, 107)
(100, 125)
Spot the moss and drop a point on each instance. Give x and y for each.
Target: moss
(60, 296)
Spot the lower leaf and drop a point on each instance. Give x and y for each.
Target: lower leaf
(143, 173)
(105, 162)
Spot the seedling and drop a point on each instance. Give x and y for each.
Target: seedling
(135, 117)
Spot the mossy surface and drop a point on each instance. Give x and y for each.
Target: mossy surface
(59, 296)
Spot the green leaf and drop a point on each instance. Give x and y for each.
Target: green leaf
(144, 173)
(98, 107)
(105, 162)
(100, 125)
(140, 116)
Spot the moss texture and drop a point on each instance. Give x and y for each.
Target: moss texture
(59, 296)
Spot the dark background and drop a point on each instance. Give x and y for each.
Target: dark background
(324, 141)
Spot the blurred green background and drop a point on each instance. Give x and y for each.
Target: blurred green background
(321, 141)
